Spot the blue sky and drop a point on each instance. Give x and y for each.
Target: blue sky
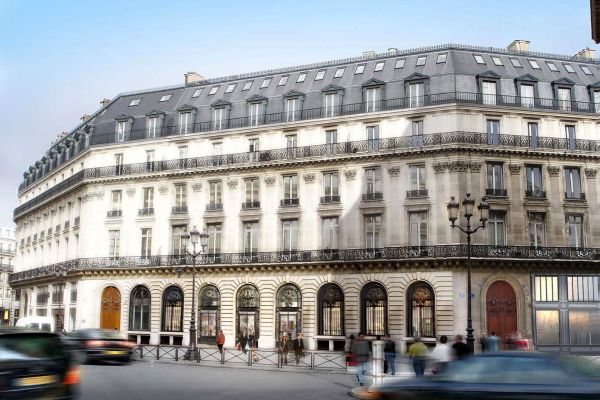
(58, 59)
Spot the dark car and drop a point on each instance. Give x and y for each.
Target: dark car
(100, 345)
(504, 375)
(35, 365)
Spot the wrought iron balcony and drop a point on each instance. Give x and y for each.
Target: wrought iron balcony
(330, 199)
(574, 196)
(67, 225)
(57, 230)
(179, 210)
(114, 213)
(415, 194)
(535, 194)
(77, 221)
(290, 202)
(249, 205)
(214, 207)
(146, 211)
(495, 192)
(373, 196)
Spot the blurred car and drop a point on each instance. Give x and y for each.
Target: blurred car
(100, 345)
(35, 365)
(45, 324)
(503, 375)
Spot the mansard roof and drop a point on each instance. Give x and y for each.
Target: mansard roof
(331, 88)
(293, 93)
(417, 76)
(526, 78)
(373, 82)
(186, 107)
(563, 81)
(489, 74)
(220, 103)
(256, 98)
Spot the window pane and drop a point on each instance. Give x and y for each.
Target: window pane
(546, 329)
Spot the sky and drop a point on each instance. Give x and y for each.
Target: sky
(58, 59)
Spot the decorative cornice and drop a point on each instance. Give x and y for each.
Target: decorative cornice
(553, 170)
(89, 196)
(515, 169)
(475, 166)
(350, 174)
(309, 177)
(163, 189)
(270, 180)
(394, 170)
(590, 173)
(232, 183)
(197, 186)
(458, 166)
(440, 167)
(130, 191)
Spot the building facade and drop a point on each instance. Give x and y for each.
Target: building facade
(323, 189)
(7, 254)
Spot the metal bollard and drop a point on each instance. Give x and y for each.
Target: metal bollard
(378, 358)
(141, 351)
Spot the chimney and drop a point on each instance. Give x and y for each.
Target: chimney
(520, 46)
(586, 54)
(85, 117)
(105, 102)
(369, 54)
(193, 77)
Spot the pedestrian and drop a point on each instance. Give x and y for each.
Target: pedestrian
(483, 342)
(491, 343)
(298, 347)
(461, 350)
(418, 353)
(350, 356)
(389, 353)
(361, 355)
(244, 342)
(220, 341)
(283, 348)
(441, 355)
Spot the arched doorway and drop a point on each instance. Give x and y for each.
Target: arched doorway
(501, 308)
(110, 309)
(288, 314)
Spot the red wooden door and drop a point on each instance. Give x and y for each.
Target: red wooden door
(501, 307)
(110, 309)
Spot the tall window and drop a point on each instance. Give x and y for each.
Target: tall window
(172, 310)
(418, 228)
(181, 197)
(575, 229)
(248, 305)
(596, 100)
(418, 186)
(421, 312)
(185, 123)
(330, 233)
(331, 187)
(214, 238)
(416, 94)
(177, 231)
(219, 121)
(209, 313)
(250, 237)
(373, 301)
(119, 164)
(564, 99)
(114, 243)
(290, 234)
(571, 138)
(495, 179)
(139, 309)
(288, 315)
(537, 229)
(146, 242)
(292, 109)
(527, 95)
(255, 111)
(331, 310)
(572, 183)
(183, 152)
(373, 238)
(290, 189)
(252, 190)
(373, 99)
(488, 91)
(331, 104)
(150, 160)
(115, 200)
(532, 132)
(373, 180)
(493, 131)
(496, 228)
(253, 149)
(122, 130)
(148, 200)
(291, 143)
(153, 127)
(534, 181)
(215, 194)
(416, 138)
(331, 141)
(373, 137)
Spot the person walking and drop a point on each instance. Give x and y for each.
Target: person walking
(441, 355)
(491, 343)
(298, 345)
(389, 351)
(418, 353)
(461, 350)
(244, 341)
(360, 351)
(283, 348)
(220, 341)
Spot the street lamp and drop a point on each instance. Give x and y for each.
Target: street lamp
(195, 237)
(484, 213)
(61, 276)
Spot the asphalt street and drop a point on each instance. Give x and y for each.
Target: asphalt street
(154, 381)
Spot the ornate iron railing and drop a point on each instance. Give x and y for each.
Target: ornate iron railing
(248, 205)
(291, 202)
(179, 210)
(535, 194)
(304, 256)
(330, 199)
(372, 196)
(146, 211)
(574, 196)
(496, 192)
(414, 194)
(114, 213)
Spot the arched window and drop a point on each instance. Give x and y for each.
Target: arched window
(373, 300)
(172, 312)
(331, 310)
(421, 310)
(139, 309)
(248, 303)
(210, 313)
(288, 314)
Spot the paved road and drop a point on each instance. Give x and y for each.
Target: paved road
(154, 381)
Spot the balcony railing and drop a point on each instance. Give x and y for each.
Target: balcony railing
(114, 213)
(249, 205)
(535, 194)
(214, 207)
(77, 221)
(146, 211)
(372, 196)
(330, 199)
(574, 196)
(57, 230)
(67, 225)
(179, 210)
(414, 194)
(495, 192)
(458, 251)
(290, 202)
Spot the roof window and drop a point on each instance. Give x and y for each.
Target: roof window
(516, 63)
(197, 92)
(166, 97)
(320, 75)
(339, 72)
(569, 68)
(247, 85)
(230, 88)
(283, 80)
(213, 90)
(586, 70)
(534, 64)
(135, 102)
(265, 83)
(301, 77)
(497, 61)
(400, 63)
(379, 66)
(441, 58)
(359, 69)
(551, 66)
(421, 61)
(479, 59)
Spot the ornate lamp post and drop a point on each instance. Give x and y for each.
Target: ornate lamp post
(202, 238)
(484, 213)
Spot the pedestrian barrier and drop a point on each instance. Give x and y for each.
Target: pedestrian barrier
(265, 358)
(210, 354)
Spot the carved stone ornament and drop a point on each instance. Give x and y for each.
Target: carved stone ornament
(130, 191)
(394, 170)
(350, 174)
(475, 167)
(515, 169)
(197, 186)
(270, 180)
(232, 183)
(92, 196)
(590, 173)
(553, 170)
(458, 166)
(309, 177)
(163, 189)
(439, 168)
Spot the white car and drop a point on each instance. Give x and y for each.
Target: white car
(45, 324)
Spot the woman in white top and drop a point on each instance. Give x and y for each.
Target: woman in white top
(441, 355)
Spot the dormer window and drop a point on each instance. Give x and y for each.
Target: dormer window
(135, 102)
(123, 127)
(421, 61)
(441, 58)
(551, 66)
(213, 90)
(400, 63)
(373, 94)
(265, 83)
(230, 88)
(586, 70)
(220, 114)
(379, 66)
(293, 105)
(320, 75)
(516, 63)
(534, 64)
(359, 69)
(569, 68)
(563, 93)
(332, 100)
(339, 72)
(283, 80)
(497, 61)
(166, 97)
(187, 115)
(154, 123)
(197, 92)
(301, 77)
(479, 59)
(247, 86)
(256, 110)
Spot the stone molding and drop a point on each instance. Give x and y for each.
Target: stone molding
(515, 169)
(232, 183)
(163, 189)
(394, 170)
(309, 177)
(350, 174)
(439, 168)
(130, 191)
(270, 180)
(590, 173)
(553, 170)
(197, 186)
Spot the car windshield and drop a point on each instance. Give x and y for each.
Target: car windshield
(30, 345)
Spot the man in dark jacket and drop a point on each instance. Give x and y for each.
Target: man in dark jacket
(389, 350)
(361, 355)
(461, 350)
